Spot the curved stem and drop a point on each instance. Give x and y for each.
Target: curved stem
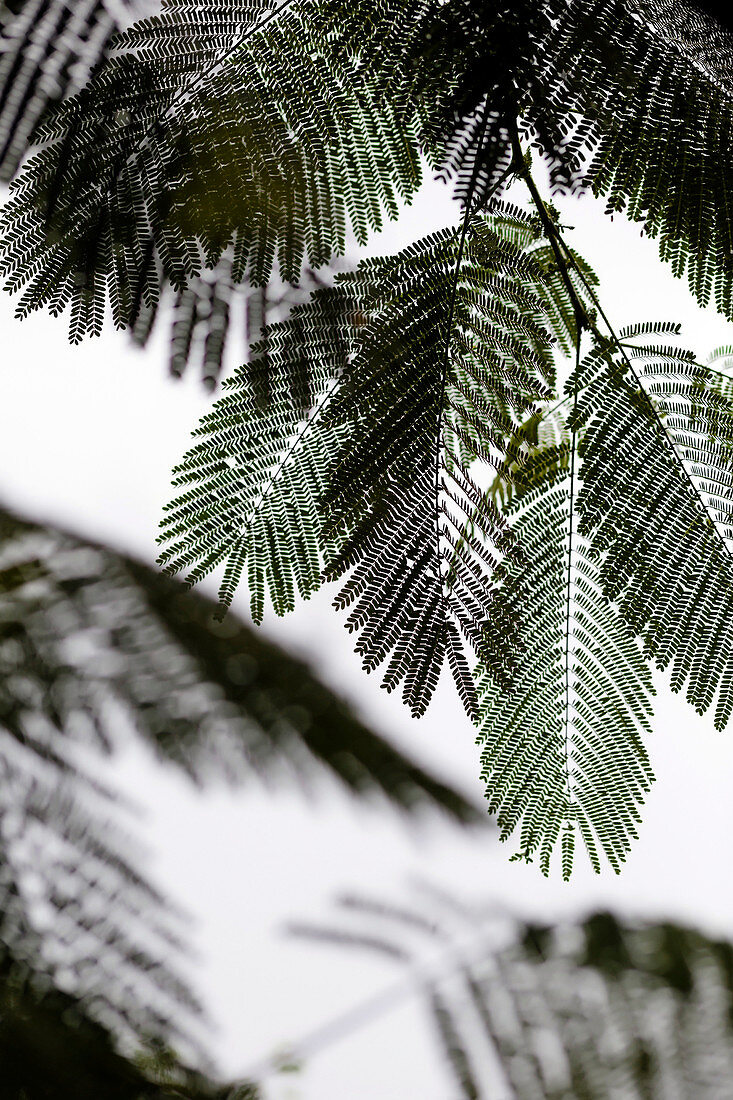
(582, 320)
(566, 262)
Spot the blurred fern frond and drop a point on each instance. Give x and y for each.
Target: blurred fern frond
(73, 904)
(91, 642)
(48, 51)
(90, 639)
(721, 359)
(350, 445)
(212, 308)
(598, 1008)
(51, 1047)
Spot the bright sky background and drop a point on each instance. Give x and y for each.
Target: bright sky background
(87, 439)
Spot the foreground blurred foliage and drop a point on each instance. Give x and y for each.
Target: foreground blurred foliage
(599, 1009)
(83, 629)
(93, 646)
(48, 50)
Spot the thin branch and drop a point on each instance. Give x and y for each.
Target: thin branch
(565, 261)
(582, 320)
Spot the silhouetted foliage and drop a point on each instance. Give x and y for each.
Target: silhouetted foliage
(391, 430)
(83, 628)
(52, 1050)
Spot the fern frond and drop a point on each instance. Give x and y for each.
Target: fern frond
(260, 143)
(458, 367)
(631, 100)
(649, 328)
(563, 714)
(656, 506)
(350, 449)
(656, 112)
(257, 476)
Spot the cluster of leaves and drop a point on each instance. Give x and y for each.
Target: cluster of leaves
(597, 1009)
(203, 169)
(354, 444)
(348, 445)
(633, 100)
(286, 121)
(361, 438)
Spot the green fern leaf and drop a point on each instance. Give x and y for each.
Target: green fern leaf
(562, 715)
(375, 478)
(457, 367)
(259, 146)
(655, 504)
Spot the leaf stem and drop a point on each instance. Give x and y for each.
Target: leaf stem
(582, 321)
(565, 261)
(448, 332)
(568, 587)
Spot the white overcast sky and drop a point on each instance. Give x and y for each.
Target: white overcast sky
(87, 438)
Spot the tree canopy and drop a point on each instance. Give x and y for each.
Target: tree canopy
(505, 482)
(508, 482)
